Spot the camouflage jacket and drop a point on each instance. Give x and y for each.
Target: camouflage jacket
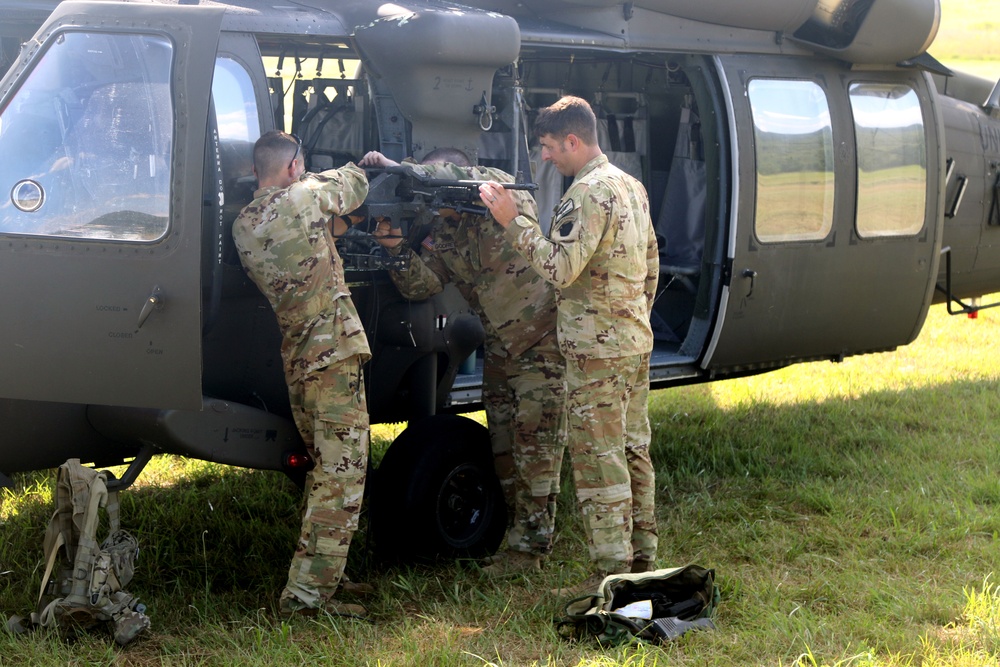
(602, 257)
(516, 305)
(286, 245)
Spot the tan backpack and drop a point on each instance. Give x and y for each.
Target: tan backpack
(84, 581)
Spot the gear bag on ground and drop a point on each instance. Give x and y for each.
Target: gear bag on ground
(655, 606)
(84, 581)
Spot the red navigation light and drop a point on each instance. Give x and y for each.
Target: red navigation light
(297, 461)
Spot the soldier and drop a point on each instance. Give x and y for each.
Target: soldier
(523, 388)
(601, 255)
(285, 244)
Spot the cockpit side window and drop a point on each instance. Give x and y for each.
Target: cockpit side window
(793, 143)
(892, 159)
(238, 121)
(87, 140)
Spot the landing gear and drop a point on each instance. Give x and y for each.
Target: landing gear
(436, 496)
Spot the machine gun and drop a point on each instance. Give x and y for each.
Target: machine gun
(461, 195)
(411, 201)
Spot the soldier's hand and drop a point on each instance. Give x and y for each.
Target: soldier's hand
(376, 159)
(499, 201)
(387, 235)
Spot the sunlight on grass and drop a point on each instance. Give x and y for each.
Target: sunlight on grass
(981, 615)
(388, 432)
(932, 360)
(35, 491)
(972, 642)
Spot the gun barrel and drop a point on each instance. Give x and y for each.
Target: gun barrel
(445, 182)
(520, 186)
(406, 170)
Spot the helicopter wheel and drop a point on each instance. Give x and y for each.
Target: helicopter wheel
(436, 495)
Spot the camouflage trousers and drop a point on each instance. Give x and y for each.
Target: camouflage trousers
(331, 412)
(608, 440)
(524, 401)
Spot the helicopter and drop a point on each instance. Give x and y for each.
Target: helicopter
(816, 179)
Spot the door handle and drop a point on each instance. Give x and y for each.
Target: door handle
(752, 275)
(152, 302)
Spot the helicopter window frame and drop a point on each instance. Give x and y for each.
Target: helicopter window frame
(891, 159)
(795, 175)
(101, 101)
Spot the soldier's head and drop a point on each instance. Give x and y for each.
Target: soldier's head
(567, 133)
(278, 159)
(456, 157)
(452, 155)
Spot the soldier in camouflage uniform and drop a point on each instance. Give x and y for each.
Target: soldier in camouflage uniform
(601, 255)
(285, 244)
(523, 387)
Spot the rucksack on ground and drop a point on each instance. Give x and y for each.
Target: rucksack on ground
(656, 606)
(84, 581)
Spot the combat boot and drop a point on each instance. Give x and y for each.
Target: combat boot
(354, 589)
(513, 562)
(642, 565)
(291, 607)
(588, 586)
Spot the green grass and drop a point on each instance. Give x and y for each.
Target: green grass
(850, 511)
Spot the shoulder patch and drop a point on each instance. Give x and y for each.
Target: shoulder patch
(566, 231)
(565, 225)
(428, 243)
(564, 209)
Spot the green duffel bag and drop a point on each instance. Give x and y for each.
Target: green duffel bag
(655, 606)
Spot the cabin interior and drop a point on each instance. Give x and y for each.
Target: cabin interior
(657, 120)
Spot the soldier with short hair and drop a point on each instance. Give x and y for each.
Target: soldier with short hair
(285, 243)
(523, 387)
(601, 256)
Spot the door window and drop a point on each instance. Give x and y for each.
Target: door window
(793, 144)
(892, 159)
(87, 139)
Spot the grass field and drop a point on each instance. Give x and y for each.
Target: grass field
(850, 511)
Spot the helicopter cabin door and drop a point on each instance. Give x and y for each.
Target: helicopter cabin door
(102, 132)
(834, 245)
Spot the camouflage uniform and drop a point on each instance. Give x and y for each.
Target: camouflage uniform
(601, 255)
(286, 246)
(523, 387)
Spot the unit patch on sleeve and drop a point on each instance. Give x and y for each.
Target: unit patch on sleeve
(565, 225)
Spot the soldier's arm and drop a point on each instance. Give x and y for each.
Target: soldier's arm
(652, 268)
(441, 170)
(339, 191)
(574, 238)
(423, 277)
(419, 281)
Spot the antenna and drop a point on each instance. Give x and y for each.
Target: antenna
(992, 103)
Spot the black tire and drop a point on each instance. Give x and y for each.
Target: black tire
(436, 495)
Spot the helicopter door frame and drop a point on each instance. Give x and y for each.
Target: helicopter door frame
(108, 301)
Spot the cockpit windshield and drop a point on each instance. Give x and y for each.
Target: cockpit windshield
(87, 140)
